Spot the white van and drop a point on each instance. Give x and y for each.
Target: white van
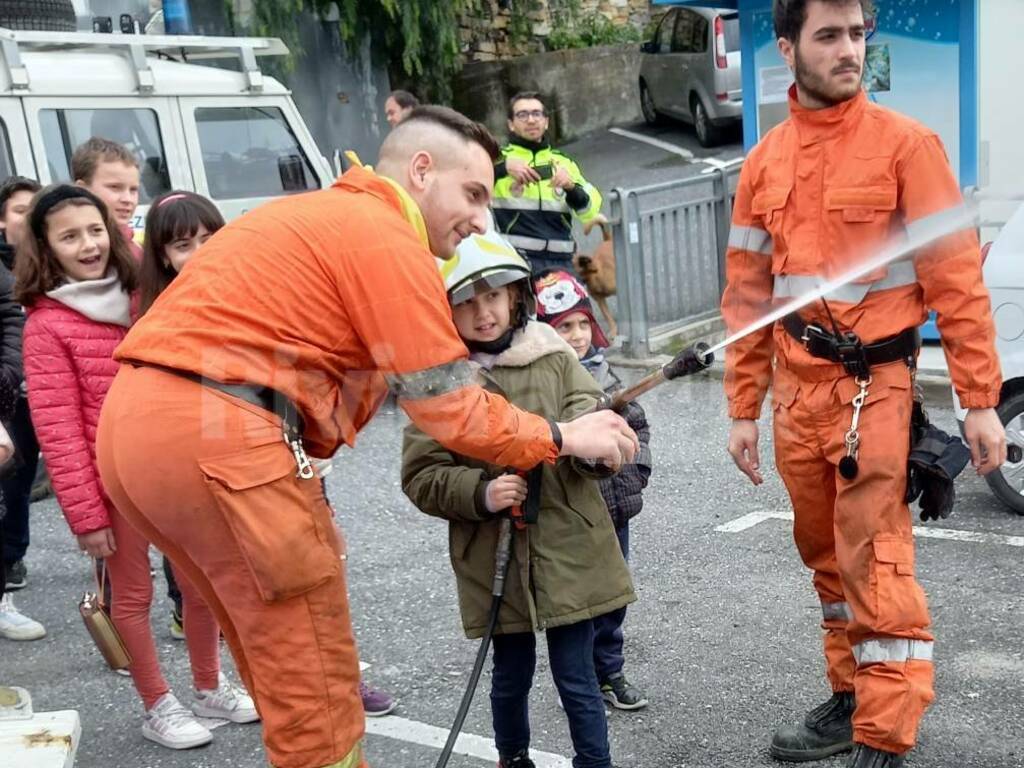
(234, 136)
(1003, 262)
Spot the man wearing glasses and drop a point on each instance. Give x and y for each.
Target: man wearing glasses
(537, 189)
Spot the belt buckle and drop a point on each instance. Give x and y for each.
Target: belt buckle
(806, 336)
(851, 353)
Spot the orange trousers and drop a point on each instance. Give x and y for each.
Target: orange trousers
(209, 481)
(856, 535)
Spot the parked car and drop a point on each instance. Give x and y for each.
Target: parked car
(234, 136)
(1004, 276)
(691, 71)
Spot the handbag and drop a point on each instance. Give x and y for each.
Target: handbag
(99, 624)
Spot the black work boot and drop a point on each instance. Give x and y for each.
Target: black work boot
(868, 757)
(518, 760)
(826, 730)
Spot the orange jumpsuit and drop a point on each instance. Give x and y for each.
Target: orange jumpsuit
(821, 190)
(324, 297)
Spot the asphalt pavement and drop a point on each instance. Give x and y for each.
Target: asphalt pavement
(636, 155)
(724, 637)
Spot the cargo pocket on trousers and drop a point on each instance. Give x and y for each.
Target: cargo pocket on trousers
(900, 602)
(282, 524)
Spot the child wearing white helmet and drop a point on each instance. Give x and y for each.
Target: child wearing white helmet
(567, 567)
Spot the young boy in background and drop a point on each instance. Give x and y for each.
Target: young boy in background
(111, 172)
(563, 303)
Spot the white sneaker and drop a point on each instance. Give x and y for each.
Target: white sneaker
(171, 725)
(226, 703)
(14, 625)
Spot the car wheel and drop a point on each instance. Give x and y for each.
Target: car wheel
(707, 134)
(647, 105)
(1007, 483)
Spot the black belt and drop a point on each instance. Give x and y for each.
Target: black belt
(848, 349)
(268, 399)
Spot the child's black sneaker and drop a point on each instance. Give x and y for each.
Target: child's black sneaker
(622, 694)
(518, 760)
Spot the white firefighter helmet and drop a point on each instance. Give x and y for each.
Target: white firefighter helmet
(484, 262)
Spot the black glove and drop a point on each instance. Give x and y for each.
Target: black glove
(935, 460)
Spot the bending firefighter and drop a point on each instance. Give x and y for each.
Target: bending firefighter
(566, 568)
(834, 182)
(282, 337)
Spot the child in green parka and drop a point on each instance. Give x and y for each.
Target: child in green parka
(567, 568)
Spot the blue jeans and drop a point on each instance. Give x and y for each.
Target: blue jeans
(608, 658)
(571, 652)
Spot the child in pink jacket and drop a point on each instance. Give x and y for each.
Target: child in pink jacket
(75, 275)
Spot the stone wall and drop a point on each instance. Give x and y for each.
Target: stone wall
(584, 89)
(487, 35)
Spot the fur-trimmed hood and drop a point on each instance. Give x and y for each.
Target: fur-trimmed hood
(529, 345)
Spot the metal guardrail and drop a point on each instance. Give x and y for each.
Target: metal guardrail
(670, 241)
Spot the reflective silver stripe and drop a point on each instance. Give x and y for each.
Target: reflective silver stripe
(790, 286)
(750, 239)
(540, 244)
(432, 382)
(892, 649)
(836, 612)
(531, 204)
(927, 223)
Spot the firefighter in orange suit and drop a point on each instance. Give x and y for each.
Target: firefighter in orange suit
(834, 182)
(281, 337)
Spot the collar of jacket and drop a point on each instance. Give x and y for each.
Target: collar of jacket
(532, 146)
(103, 300)
(814, 125)
(362, 179)
(597, 364)
(529, 344)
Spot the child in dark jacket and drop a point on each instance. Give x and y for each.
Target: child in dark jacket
(563, 303)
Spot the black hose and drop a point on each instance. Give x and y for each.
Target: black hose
(501, 560)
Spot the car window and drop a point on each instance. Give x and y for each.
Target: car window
(6, 155)
(251, 152)
(664, 37)
(682, 40)
(137, 129)
(700, 35)
(732, 32)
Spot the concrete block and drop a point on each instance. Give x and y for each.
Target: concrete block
(31, 739)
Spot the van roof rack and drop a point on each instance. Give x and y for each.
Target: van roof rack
(187, 47)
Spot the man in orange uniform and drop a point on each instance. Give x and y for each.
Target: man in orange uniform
(832, 184)
(281, 335)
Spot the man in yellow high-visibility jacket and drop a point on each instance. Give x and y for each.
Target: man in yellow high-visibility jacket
(537, 189)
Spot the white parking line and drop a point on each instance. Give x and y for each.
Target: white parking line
(468, 744)
(751, 519)
(665, 145)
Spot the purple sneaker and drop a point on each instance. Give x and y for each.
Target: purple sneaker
(376, 703)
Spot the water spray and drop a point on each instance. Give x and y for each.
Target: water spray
(924, 233)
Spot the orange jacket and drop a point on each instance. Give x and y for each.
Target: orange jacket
(821, 190)
(324, 296)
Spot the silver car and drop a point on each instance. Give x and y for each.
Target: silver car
(691, 71)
